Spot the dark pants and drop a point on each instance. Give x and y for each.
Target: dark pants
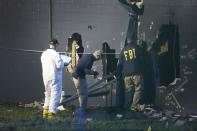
(133, 90)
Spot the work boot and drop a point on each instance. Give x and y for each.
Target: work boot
(137, 107)
(133, 108)
(45, 113)
(51, 115)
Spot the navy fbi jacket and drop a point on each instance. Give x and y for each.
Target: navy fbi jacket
(85, 62)
(130, 60)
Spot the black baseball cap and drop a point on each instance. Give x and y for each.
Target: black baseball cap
(53, 41)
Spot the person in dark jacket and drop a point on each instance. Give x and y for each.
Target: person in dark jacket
(83, 68)
(129, 65)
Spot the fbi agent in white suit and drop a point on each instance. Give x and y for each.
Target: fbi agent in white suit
(52, 66)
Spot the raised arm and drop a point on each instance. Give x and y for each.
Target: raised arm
(133, 8)
(125, 2)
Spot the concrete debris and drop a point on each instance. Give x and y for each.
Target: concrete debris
(147, 113)
(191, 119)
(35, 104)
(156, 115)
(9, 110)
(179, 123)
(169, 113)
(119, 116)
(164, 119)
(20, 104)
(89, 119)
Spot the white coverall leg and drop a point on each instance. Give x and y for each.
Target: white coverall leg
(52, 95)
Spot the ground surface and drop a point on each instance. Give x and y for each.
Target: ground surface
(30, 119)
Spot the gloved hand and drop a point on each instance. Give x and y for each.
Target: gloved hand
(74, 75)
(96, 74)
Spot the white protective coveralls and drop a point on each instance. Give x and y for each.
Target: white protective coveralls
(52, 66)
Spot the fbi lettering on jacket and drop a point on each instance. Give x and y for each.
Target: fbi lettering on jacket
(129, 54)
